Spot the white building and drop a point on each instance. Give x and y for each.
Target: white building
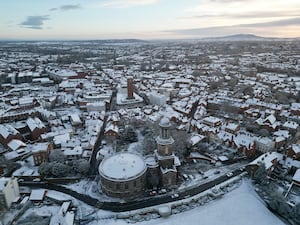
(265, 144)
(9, 191)
(157, 99)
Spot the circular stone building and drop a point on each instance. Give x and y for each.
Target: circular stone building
(123, 175)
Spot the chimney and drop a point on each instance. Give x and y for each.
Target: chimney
(130, 88)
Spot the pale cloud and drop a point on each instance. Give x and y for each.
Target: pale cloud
(34, 22)
(227, 1)
(246, 7)
(126, 3)
(213, 13)
(257, 28)
(66, 7)
(249, 15)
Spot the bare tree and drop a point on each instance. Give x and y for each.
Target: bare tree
(149, 144)
(81, 166)
(181, 143)
(56, 156)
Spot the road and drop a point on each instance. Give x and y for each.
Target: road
(135, 204)
(93, 160)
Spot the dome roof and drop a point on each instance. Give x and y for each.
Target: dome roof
(165, 122)
(122, 166)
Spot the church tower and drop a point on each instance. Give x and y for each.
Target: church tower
(164, 154)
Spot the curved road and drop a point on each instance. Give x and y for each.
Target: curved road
(135, 204)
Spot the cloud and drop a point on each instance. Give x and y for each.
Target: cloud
(34, 22)
(126, 3)
(276, 23)
(250, 15)
(227, 1)
(239, 28)
(244, 9)
(66, 7)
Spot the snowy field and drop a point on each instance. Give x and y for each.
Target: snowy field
(241, 206)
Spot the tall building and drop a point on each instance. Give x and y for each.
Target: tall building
(130, 88)
(126, 98)
(165, 156)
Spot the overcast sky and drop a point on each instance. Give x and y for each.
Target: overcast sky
(147, 19)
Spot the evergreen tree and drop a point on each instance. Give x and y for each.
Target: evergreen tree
(261, 176)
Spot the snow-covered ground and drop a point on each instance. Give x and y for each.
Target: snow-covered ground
(241, 206)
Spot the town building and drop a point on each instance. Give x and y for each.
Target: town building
(126, 174)
(8, 133)
(36, 128)
(165, 156)
(40, 152)
(126, 97)
(9, 191)
(123, 175)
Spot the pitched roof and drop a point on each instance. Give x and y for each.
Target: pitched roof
(6, 130)
(34, 123)
(16, 144)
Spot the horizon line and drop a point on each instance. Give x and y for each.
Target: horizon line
(253, 36)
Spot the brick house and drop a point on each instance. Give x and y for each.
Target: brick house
(294, 151)
(7, 133)
(40, 152)
(36, 128)
(270, 159)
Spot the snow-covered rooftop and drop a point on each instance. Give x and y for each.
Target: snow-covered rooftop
(34, 123)
(37, 194)
(122, 166)
(16, 144)
(296, 176)
(3, 181)
(6, 130)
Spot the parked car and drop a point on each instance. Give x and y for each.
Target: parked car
(152, 193)
(229, 174)
(217, 172)
(174, 195)
(162, 191)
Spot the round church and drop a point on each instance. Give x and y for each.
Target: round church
(123, 175)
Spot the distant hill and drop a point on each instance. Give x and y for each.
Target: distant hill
(100, 41)
(238, 37)
(247, 37)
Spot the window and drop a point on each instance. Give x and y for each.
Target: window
(164, 133)
(126, 186)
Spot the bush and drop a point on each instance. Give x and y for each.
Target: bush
(260, 176)
(129, 135)
(81, 166)
(60, 170)
(45, 169)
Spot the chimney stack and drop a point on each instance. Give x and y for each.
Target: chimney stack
(130, 88)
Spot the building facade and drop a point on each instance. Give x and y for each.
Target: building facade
(9, 191)
(123, 175)
(40, 152)
(165, 156)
